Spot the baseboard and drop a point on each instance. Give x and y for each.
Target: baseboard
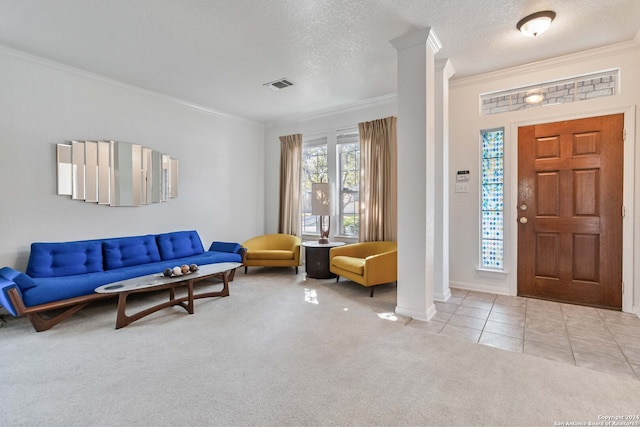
(417, 315)
(442, 297)
(478, 287)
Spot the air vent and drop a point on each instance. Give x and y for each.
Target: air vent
(279, 84)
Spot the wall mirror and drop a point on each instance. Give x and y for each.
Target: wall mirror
(115, 173)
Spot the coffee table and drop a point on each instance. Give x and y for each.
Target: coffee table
(155, 282)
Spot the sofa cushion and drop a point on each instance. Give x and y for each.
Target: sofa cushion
(225, 247)
(23, 281)
(269, 254)
(128, 251)
(351, 264)
(65, 259)
(179, 244)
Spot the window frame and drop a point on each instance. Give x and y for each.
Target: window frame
(489, 230)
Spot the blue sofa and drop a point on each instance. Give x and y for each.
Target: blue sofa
(65, 274)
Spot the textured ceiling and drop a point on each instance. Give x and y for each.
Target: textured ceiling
(218, 53)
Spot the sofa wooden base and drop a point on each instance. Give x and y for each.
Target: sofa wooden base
(44, 317)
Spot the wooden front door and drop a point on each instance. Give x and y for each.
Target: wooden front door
(570, 211)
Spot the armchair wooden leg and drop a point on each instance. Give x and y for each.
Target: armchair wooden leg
(337, 279)
(371, 292)
(245, 269)
(296, 269)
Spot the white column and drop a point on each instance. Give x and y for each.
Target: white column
(443, 72)
(416, 173)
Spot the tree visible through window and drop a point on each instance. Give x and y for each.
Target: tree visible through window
(314, 169)
(349, 184)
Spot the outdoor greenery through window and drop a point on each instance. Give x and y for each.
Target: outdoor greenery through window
(314, 169)
(333, 158)
(349, 189)
(492, 207)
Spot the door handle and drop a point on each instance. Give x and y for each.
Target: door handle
(523, 207)
(523, 220)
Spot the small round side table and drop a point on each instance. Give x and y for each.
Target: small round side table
(317, 259)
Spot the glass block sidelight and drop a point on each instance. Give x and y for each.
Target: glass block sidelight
(492, 254)
(492, 199)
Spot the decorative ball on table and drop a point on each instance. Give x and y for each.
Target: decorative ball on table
(167, 272)
(193, 267)
(177, 271)
(185, 268)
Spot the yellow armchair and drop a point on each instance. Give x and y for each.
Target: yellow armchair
(366, 263)
(272, 250)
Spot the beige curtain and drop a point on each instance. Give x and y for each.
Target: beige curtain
(290, 180)
(378, 180)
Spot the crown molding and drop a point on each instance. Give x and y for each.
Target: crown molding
(107, 80)
(627, 46)
(344, 108)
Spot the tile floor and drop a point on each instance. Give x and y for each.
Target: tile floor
(598, 339)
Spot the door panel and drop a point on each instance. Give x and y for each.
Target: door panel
(569, 211)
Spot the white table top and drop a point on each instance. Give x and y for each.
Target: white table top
(316, 244)
(158, 279)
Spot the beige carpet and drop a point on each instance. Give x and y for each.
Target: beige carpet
(284, 351)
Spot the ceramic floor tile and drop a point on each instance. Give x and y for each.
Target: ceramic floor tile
(636, 369)
(466, 321)
(473, 312)
(595, 349)
(513, 331)
(455, 300)
(545, 326)
(500, 308)
(509, 300)
(632, 354)
(594, 335)
(559, 341)
(511, 319)
(543, 305)
(446, 307)
(625, 340)
(459, 292)
(484, 296)
(624, 329)
(442, 316)
(483, 305)
(501, 341)
(604, 364)
(430, 326)
(583, 322)
(548, 352)
(466, 334)
(535, 313)
(578, 310)
(617, 317)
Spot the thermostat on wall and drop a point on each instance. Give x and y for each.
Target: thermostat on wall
(462, 176)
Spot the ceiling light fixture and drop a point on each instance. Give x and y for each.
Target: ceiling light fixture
(536, 23)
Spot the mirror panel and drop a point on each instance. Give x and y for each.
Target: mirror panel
(174, 179)
(91, 171)
(65, 170)
(104, 172)
(77, 158)
(115, 173)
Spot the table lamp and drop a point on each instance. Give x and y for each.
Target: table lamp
(322, 205)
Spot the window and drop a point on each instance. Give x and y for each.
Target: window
(349, 183)
(574, 89)
(333, 157)
(492, 209)
(314, 169)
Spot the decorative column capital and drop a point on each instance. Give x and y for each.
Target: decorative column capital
(425, 36)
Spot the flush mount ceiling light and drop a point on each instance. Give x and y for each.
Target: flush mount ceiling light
(536, 23)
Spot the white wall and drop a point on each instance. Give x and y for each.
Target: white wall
(309, 125)
(466, 124)
(221, 193)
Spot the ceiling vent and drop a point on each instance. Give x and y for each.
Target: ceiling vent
(279, 84)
